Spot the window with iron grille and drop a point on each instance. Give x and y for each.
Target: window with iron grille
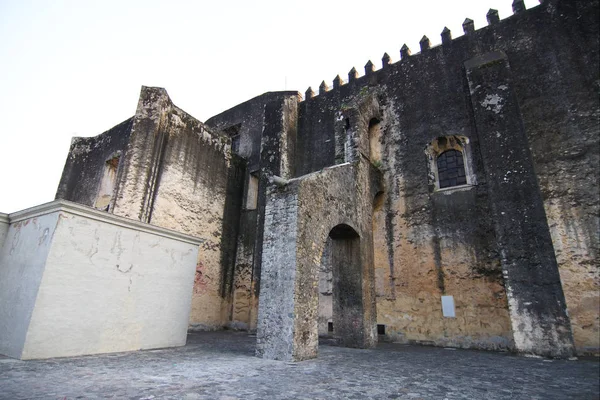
(451, 169)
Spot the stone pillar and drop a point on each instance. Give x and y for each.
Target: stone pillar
(278, 143)
(141, 168)
(276, 310)
(535, 298)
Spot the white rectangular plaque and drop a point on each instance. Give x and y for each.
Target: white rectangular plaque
(448, 306)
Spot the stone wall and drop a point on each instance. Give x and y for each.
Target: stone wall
(87, 161)
(173, 172)
(176, 174)
(539, 319)
(559, 104)
(266, 129)
(518, 99)
(247, 121)
(429, 242)
(425, 244)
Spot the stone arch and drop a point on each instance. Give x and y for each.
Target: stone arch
(295, 239)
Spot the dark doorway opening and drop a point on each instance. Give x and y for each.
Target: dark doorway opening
(347, 296)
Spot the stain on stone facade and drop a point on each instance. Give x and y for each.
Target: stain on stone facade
(468, 170)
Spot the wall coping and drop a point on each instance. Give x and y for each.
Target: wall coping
(319, 172)
(97, 215)
(4, 218)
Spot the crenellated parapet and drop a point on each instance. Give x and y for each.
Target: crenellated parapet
(446, 39)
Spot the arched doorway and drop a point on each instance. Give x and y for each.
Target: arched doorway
(295, 238)
(343, 257)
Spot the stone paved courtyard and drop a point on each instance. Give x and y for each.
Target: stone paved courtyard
(221, 365)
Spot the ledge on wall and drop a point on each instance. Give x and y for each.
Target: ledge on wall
(92, 213)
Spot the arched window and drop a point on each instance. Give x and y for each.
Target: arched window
(106, 191)
(451, 169)
(234, 133)
(375, 141)
(449, 162)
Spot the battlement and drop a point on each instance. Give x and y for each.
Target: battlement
(493, 20)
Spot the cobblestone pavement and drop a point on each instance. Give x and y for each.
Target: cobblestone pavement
(221, 365)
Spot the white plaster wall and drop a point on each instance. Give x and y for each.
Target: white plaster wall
(22, 262)
(75, 281)
(109, 289)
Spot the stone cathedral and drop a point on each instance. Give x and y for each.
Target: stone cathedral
(448, 198)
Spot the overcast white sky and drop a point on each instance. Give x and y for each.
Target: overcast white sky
(75, 68)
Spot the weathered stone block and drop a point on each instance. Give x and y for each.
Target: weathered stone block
(77, 281)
